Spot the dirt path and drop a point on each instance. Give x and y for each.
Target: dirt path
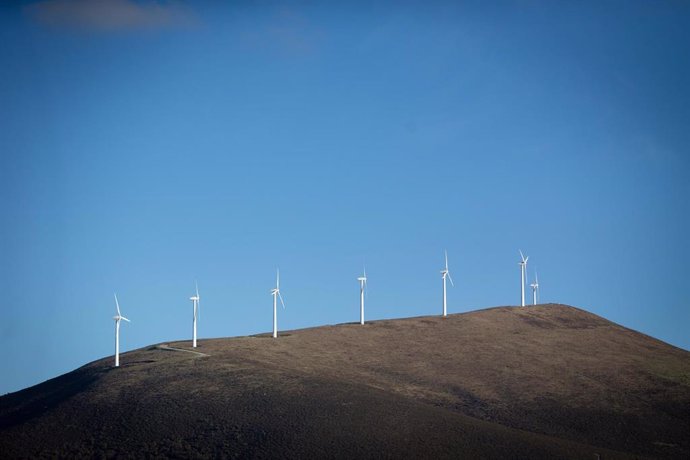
(169, 348)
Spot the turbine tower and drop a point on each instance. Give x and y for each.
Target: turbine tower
(523, 268)
(195, 306)
(535, 288)
(117, 319)
(276, 293)
(445, 273)
(362, 286)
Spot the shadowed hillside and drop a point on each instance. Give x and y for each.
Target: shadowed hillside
(546, 381)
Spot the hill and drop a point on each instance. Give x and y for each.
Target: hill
(539, 382)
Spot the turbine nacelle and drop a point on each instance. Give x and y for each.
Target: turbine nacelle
(276, 290)
(445, 272)
(119, 316)
(524, 259)
(363, 285)
(363, 278)
(196, 296)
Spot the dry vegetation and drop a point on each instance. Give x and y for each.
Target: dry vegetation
(546, 381)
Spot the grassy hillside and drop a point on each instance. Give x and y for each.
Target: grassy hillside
(546, 381)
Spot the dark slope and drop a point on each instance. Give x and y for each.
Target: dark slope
(547, 381)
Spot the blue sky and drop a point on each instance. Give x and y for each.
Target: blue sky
(144, 145)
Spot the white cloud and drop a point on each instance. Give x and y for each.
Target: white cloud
(109, 15)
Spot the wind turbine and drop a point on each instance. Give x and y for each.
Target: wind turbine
(362, 285)
(523, 267)
(535, 288)
(117, 319)
(445, 273)
(195, 306)
(276, 293)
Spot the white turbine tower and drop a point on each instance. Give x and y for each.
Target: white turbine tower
(276, 293)
(445, 273)
(195, 305)
(362, 286)
(535, 288)
(117, 319)
(523, 268)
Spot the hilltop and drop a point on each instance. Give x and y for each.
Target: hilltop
(540, 382)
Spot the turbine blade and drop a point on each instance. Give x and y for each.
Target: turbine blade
(281, 300)
(117, 305)
(451, 279)
(197, 312)
(122, 317)
(446, 253)
(277, 278)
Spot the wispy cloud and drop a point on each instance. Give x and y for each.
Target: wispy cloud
(285, 30)
(109, 15)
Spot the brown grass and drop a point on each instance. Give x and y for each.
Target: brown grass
(546, 381)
